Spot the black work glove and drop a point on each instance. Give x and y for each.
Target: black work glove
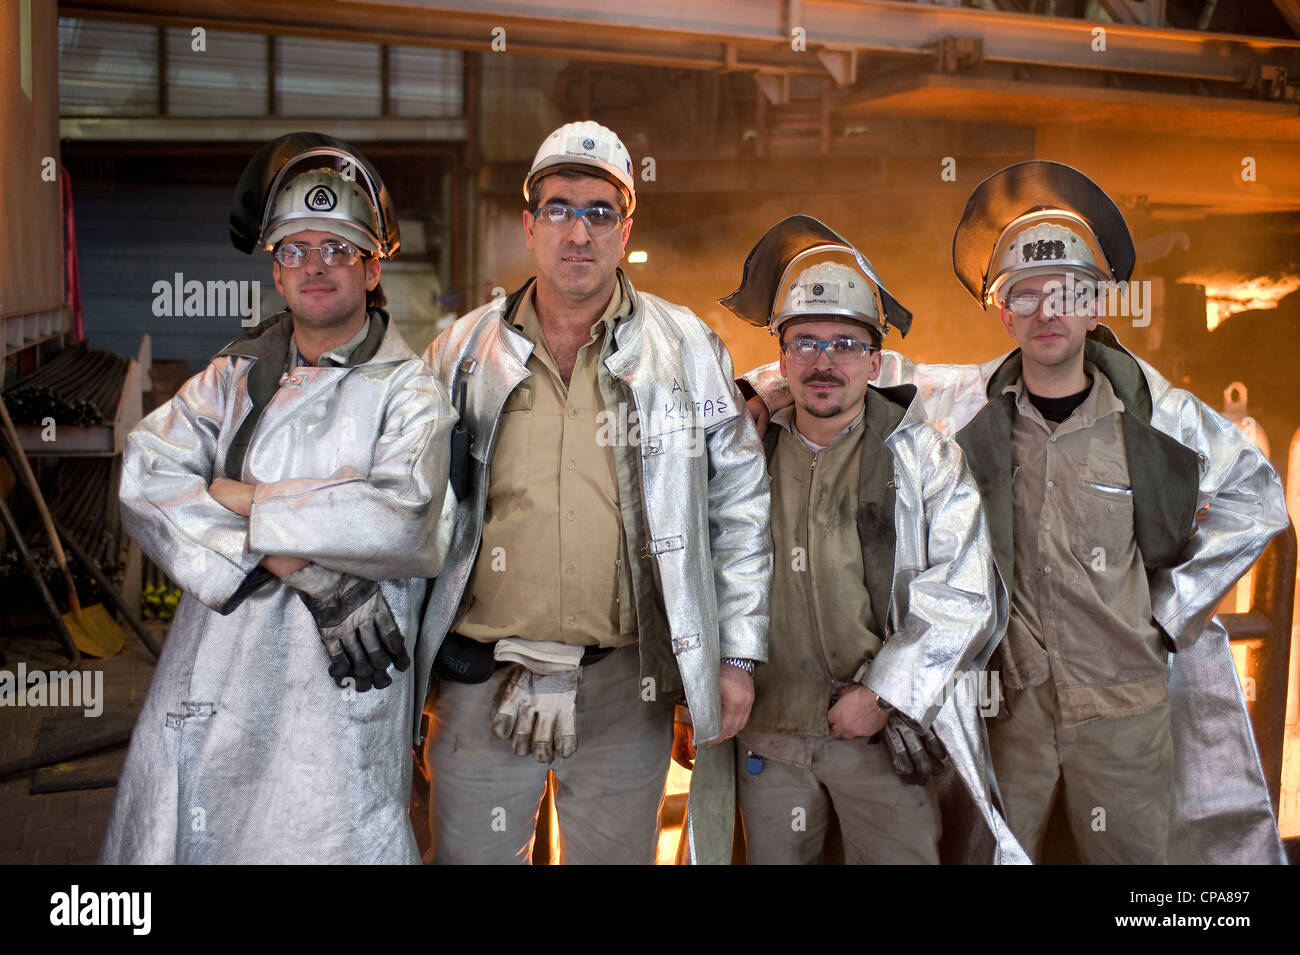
(916, 754)
(356, 626)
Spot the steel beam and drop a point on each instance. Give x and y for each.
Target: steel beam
(1198, 176)
(696, 33)
(200, 128)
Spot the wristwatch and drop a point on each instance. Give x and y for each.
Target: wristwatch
(861, 677)
(746, 665)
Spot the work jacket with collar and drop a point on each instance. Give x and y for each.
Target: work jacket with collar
(693, 497)
(246, 751)
(1206, 502)
(938, 603)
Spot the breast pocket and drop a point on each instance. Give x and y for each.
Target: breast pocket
(508, 474)
(1105, 525)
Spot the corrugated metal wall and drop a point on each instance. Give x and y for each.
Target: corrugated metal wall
(111, 69)
(136, 236)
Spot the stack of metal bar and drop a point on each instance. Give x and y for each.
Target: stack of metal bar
(80, 386)
(82, 494)
(83, 497)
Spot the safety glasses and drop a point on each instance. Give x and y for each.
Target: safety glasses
(600, 219)
(333, 252)
(841, 351)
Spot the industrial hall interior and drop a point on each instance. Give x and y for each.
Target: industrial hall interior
(186, 182)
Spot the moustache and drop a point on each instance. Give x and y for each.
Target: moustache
(823, 376)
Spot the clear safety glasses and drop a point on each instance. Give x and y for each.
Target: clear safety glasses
(600, 219)
(841, 351)
(333, 252)
(1026, 302)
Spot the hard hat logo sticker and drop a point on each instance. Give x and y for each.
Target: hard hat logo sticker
(1043, 249)
(587, 148)
(321, 199)
(817, 294)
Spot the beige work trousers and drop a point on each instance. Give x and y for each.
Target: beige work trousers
(1116, 772)
(484, 802)
(883, 820)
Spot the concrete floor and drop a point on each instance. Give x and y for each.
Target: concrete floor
(63, 827)
(67, 827)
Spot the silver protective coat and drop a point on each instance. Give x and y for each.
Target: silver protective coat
(704, 517)
(947, 610)
(246, 750)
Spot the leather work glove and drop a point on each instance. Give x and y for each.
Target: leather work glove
(917, 755)
(539, 711)
(356, 626)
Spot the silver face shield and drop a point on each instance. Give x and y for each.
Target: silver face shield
(278, 162)
(794, 240)
(1027, 192)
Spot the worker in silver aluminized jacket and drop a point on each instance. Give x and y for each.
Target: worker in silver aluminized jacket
(1122, 509)
(886, 604)
(611, 549)
(292, 490)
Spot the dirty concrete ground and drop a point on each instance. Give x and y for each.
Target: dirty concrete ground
(59, 828)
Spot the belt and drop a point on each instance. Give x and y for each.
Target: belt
(463, 659)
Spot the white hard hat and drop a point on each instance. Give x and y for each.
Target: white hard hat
(590, 147)
(1044, 242)
(830, 290)
(324, 201)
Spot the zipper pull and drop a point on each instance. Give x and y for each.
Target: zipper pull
(813, 466)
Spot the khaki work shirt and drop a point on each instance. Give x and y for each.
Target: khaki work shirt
(1081, 607)
(822, 620)
(551, 565)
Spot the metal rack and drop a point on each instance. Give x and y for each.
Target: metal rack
(28, 329)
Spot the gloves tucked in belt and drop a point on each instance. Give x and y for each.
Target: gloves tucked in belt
(356, 626)
(916, 754)
(537, 703)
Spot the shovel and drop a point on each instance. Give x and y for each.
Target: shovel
(94, 632)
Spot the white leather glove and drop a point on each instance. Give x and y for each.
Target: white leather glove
(539, 711)
(537, 703)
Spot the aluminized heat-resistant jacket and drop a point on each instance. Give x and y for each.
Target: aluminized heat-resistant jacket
(692, 456)
(1221, 812)
(246, 750)
(947, 611)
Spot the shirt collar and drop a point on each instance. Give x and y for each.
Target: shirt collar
(785, 418)
(527, 321)
(335, 357)
(1101, 401)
